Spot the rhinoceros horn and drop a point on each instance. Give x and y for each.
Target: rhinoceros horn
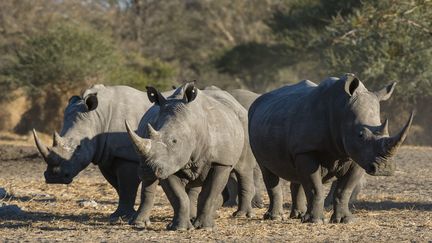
(152, 132)
(41, 147)
(389, 145)
(57, 140)
(383, 130)
(142, 145)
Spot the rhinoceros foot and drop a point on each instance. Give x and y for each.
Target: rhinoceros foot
(243, 214)
(121, 216)
(309, 218)
(257, 202)
(342, 218)
(205, 223)
(269, 215)
(180, 226)
(138, 222)
(296, 214)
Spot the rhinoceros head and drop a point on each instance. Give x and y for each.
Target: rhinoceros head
(168, 146)
(74, 151)
(365, 139)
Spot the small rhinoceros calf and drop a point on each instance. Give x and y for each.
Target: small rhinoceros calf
(308, 133)
(193, 138)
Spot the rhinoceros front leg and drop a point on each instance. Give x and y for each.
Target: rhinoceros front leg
(298, 198)
(310, 174)
(274, 190)
(122, 177)
(176, 194)
(142, 217)
(344, 188)
(211, 192)
(193, 199)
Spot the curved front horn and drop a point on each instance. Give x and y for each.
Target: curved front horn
(43, 150)
(142, 145)
(392, 143)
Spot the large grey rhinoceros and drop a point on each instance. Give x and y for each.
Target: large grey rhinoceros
(93, 131)
(190, 139)
(308, 133)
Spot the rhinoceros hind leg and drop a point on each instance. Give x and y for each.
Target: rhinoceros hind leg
(246, 189)
(298, 198)
(274, 190)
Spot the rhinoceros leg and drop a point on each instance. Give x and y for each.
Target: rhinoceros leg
(176, 194)
(207, 200)
(128, 181)
(274, 190)
(230, 191)
(328, 202)
(257, 200)
(344, 188)
(298, 198)
(142, 216)
(193, 198)
(246, 189)
(310, 174)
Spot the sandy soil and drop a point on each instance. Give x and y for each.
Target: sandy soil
(393, 209)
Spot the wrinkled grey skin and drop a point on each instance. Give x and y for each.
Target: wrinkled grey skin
(93, 131)
(193, 138)
(245, 98)
(308, 134)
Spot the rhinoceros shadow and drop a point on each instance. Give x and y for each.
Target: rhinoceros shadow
(387, 205)
(26, 218)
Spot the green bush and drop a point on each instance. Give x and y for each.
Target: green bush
(71, 57)
(65, 56)
(384, 41)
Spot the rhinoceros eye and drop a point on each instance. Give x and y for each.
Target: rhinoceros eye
(174, 140)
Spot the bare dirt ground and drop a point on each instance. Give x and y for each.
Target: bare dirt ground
(392, 209)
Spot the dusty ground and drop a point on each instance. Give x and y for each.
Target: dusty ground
(391, 209)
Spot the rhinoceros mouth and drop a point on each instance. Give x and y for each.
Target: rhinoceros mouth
(380, 169)
(50, 179)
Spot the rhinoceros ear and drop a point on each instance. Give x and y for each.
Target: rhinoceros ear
(74, 99)
(351, 83)
(386, 92)
(155, 96)
(190, 93)
(91, 101)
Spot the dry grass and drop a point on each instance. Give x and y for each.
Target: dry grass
(391, 209)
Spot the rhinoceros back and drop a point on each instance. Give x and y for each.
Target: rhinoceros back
(117, 104)
(279, 118)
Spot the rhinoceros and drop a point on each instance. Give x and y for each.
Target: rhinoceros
(308, 133)
(246, 98)
(93, 131)
(190, 139)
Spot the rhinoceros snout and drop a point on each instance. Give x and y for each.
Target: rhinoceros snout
(381, 169)
(60, 178)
